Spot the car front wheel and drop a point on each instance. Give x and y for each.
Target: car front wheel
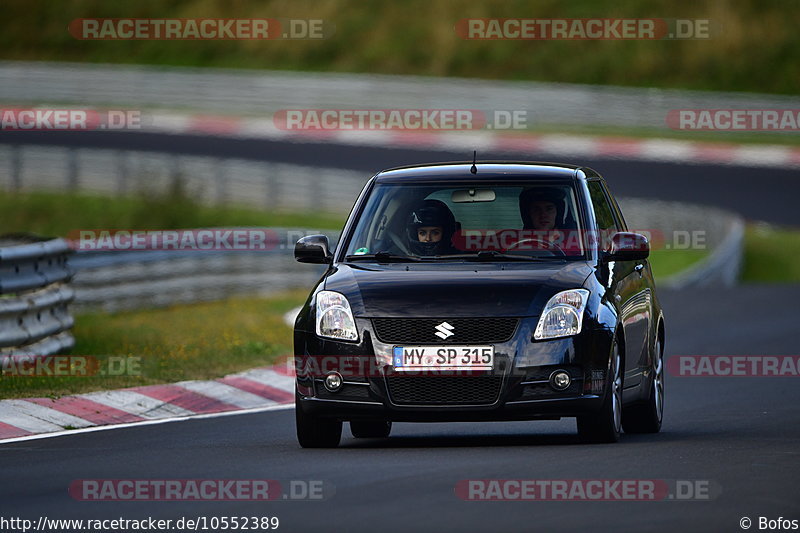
(646, 417)
(606, 425)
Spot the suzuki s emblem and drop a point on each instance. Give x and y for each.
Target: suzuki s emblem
(444, 330)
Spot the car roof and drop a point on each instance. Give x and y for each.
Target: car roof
(486, 170)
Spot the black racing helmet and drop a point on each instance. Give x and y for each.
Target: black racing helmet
(541, 194)
(431, 213)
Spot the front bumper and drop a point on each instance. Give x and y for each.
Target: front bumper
(521, 374)
(552, 409)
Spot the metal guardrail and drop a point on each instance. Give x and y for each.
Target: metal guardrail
(141, 282)
(209, 180)
(254, 93)
(34, 295)
(718, 231)
(721, 268)
(126, 280)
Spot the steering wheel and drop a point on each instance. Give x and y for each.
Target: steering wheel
(549, 246)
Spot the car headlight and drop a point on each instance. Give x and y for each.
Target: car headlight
(334, 317)
(563, 315)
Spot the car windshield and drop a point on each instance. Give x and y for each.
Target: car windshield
(520, 221)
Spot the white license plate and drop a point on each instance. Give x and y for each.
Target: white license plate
(443, 357)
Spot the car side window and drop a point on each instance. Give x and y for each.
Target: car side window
(603, 214)
(620, 224)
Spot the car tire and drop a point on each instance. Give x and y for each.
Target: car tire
(605, 426)
(646, 417)
(316, 432)
(370, 429)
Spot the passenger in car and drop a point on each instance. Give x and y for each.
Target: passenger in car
(542, 209)
(545, 217)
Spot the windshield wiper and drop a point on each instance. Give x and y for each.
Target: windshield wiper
(491, 255)
(382, 257)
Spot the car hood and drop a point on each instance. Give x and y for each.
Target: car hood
(453, 289)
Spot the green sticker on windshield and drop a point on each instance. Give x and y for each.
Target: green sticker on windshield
(361, 251)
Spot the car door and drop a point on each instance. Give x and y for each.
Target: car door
(626, 284)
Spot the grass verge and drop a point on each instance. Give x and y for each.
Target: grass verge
(770, 254)
(667, 263)
(752, 45)
(197, 341)
(51, 213)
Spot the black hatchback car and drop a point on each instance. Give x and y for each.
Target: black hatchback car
(479, 292)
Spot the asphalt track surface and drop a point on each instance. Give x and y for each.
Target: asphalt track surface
(738, 434)
(768, 194)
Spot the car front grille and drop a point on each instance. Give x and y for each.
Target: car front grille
(464, 330)
(444, 390)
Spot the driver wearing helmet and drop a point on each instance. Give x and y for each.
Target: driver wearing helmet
(430, 229)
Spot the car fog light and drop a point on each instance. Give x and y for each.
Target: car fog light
(560, 380)
(333, 381)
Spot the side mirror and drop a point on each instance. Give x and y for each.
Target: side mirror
(627, 246)
(313, 249)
